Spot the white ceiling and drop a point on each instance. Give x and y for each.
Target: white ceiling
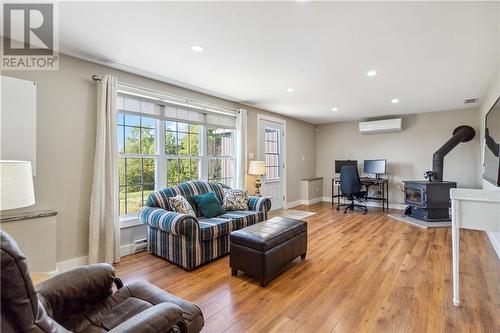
(430, 55)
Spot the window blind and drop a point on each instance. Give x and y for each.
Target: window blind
(137, 101)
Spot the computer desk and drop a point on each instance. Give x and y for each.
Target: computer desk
(382, 183)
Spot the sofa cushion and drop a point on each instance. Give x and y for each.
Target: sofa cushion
(214, 227)
(235, 199)
(180, 204)
(209, 205)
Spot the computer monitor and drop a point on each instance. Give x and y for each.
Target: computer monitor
(376, 167)
(340, 163)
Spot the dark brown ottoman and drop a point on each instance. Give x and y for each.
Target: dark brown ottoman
(263, 249)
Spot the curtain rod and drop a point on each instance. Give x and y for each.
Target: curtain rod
(98, 78)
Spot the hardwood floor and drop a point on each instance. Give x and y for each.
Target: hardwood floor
(363, 273)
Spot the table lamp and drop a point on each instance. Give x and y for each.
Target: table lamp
(16, 185)
(257, 168)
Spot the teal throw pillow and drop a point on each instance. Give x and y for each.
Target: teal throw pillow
(208, 204)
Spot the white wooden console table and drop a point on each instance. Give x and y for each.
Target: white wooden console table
(471, 209)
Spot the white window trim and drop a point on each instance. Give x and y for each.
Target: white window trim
(131, 220)
(284, 148)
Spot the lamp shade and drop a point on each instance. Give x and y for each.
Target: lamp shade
(257, 168)
(16, 185)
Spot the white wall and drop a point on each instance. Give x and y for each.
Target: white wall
(408, 153)
(487, 102)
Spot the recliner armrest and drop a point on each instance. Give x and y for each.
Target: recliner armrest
(176, 223)
(159, 318)
(76, 290)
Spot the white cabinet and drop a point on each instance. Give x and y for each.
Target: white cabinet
(311, 190)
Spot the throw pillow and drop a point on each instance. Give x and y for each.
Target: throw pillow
(208, 204)
(179, 204)
(235, 200)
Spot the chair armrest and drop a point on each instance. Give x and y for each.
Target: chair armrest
(76, 290)
(176, 223)
(261, 204)
(159, 318)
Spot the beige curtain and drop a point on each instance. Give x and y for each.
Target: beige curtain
(104, 228)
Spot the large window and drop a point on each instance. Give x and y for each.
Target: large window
(220, 146)
(136, 146)
(157, 151)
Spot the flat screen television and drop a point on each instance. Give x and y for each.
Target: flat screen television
(491, 170)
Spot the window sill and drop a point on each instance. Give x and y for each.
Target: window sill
(129, 221)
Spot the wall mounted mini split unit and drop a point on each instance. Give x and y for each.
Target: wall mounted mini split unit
(379, 126)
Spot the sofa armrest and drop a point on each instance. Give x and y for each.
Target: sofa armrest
(159, 318)
(76, 290)
(176, 223)
(261, 204)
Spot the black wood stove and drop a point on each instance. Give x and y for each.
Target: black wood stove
(429, 200)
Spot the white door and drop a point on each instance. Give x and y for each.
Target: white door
(270, 150)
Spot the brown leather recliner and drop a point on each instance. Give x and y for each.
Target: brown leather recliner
(82, 300)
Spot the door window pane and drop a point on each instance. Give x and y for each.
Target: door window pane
(272, 153)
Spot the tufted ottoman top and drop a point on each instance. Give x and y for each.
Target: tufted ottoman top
(268, 234)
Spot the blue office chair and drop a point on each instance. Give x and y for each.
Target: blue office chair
(352, 189)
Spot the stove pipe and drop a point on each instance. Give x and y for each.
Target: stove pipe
(460, 134)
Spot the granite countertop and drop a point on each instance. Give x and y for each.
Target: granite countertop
(26, 215)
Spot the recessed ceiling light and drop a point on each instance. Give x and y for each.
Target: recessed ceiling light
(290, 90)
(335, 109)
(197, 48)
(395, 100)
(371, 73)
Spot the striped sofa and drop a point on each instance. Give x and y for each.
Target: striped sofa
(192, 241)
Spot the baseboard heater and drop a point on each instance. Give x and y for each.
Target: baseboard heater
(140, 245)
